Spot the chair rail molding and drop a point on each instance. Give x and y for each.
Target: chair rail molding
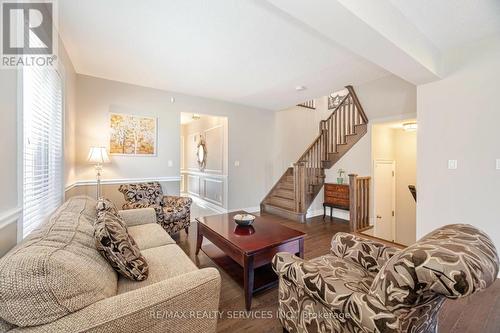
(10, 216)
(123, 181)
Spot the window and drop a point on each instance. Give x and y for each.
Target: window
(42, 145)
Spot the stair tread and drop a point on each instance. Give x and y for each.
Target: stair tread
(282, 202)
(280, 198)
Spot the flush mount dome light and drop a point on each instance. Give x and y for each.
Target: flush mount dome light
(300, 88)
(410, 126)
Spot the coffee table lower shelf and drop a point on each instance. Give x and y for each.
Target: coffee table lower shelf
(264, 276)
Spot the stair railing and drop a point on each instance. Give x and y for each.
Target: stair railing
(310, 104)
(334, 130)
(359, 203)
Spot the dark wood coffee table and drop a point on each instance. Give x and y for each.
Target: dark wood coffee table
(245, 253)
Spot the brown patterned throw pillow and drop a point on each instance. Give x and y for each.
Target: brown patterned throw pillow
(119, 248)
(104, 204)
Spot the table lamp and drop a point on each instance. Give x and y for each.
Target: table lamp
(98, 156)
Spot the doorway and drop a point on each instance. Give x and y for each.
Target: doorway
(384, 182)
(204, 162)
(393, 210)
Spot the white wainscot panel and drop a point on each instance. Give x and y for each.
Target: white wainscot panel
(213, 191)
(193, 185)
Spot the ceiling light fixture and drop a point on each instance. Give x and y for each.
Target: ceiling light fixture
(410, 127)
(300, 88)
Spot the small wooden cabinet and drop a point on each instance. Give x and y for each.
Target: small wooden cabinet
(336, 196)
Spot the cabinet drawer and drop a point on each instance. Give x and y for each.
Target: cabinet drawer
(337, 188)
(344, 203)
(340, 195)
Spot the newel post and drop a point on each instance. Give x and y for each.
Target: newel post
(353, 205)
(299, 185)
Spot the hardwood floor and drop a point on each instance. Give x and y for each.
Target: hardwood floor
(479, 313)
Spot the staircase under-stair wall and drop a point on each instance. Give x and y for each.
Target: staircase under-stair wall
(294, 192)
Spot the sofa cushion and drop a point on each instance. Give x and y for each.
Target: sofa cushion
(56, 270)
(149, 235)
(115, 244)
(106, 205)
(164, 262)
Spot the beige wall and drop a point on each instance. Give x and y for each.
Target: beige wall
(458, 119)
(249, 131)
(388, 98)
(211, 183)
(405, 152)
(69, 75)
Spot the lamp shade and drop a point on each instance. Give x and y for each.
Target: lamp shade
(98, 155)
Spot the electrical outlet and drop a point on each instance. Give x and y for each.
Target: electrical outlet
(170, 163)
(452, 164)
(236, 163)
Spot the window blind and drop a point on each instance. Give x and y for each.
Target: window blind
(43, 145)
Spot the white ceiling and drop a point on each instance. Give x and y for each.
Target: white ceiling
(255, 52)
(241, 51)
(451, 23)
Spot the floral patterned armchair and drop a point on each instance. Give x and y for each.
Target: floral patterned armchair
(366, 286)
(173, 213)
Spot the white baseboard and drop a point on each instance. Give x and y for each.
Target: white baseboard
(206, 204)
(338, 213)
(247, 209)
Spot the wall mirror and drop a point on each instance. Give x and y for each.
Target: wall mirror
(201, 155)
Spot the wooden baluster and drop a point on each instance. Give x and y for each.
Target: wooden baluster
(336, 132)
(351, 114)
(296, 186)
(345, 108)
(342, 124)
(360, 201)
(352, 202)
(330, 135)
(364, 204)
(348, 107)
(368, 201)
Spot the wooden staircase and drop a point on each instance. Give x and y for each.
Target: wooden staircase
(294, 192)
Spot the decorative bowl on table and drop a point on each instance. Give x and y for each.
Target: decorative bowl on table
(243, 220)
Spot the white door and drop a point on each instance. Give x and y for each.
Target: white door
(384, 199)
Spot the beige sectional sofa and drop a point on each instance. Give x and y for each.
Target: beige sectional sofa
(56, 281)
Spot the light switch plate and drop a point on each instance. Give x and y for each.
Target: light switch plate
(452, 164)
(498, 163)
(170, 163)
(236, 163)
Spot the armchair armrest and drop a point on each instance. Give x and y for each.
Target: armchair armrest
(178, 304)
(361, 309)
(176, 201)
(369, 254)
(138, 216)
